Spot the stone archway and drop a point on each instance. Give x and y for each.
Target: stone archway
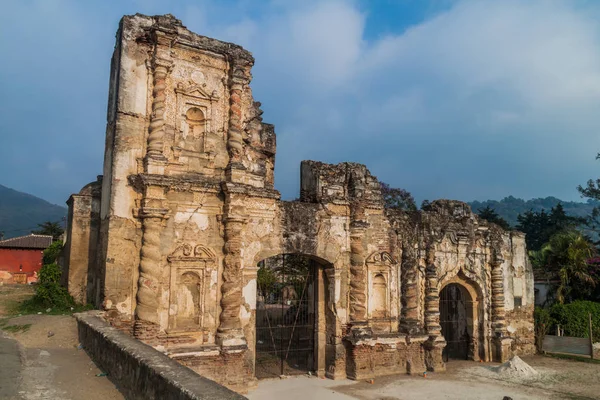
(291, 319)
(460, 308)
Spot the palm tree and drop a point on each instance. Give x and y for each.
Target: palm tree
(567, 254)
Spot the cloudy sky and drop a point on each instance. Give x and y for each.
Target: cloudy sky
(470, 100)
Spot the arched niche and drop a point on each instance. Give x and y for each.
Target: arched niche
(190, 276)
(382, 290)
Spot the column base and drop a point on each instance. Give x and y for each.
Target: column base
(434, 348)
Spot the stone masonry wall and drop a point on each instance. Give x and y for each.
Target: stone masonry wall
(188, 209)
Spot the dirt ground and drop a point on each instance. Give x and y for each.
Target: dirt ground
(41, 358)
(464, 380)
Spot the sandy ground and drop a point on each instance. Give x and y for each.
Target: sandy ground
(43, 361)
(464, 380)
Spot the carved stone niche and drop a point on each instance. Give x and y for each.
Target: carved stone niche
(380, 284)
(192, 147)
(190, 271)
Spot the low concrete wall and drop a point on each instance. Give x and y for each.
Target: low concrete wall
(138, 370)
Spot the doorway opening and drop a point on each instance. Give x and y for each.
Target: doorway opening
(456, 320)
(286, 314)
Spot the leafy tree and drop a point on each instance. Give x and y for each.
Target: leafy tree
(567, 254)
(591, 191)
(490, 215)
(398, 199)
(52, 252)
(50, 228)
(541, 226)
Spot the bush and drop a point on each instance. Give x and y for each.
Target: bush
(573, 318)
(49, 292)
(52, 252)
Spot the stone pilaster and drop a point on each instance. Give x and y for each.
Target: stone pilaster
(155, 160)
(230, 328)
(501, 341)
(150, 282)
(358, 288)
(238, 79)
(409, 317)
(435, 344)
(432, 298)
(147, 311)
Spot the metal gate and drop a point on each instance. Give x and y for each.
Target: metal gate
(454, 308)
(285, 316)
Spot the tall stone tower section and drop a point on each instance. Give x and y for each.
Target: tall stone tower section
(185, 149)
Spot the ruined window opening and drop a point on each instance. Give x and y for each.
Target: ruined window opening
(518, 302)
(379, 296)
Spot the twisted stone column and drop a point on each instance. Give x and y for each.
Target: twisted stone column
(432, 298)
(157, 120)
(147, 324)
(239, 77)
(409, 316)
(498, 314)
(230, 329)
(358, 287)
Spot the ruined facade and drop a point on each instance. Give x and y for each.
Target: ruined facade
(168, 243)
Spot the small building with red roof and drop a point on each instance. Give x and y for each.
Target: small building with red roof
(21, 257)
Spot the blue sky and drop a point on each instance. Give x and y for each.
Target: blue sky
(470, 100)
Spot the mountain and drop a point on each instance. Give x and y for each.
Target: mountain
(510, 207)
(21, 212)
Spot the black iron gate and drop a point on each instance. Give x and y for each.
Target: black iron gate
(285, 316)
(454, 308)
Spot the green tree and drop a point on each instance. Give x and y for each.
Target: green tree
(49, 228)
(398, 199)
(52, 252)
(490, 215)
(541, 226)
(566, 254)
(591, 191)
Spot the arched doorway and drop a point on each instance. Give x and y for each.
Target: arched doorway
(456, 320)
(289, 290)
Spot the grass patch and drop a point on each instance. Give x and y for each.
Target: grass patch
(573, 358)
(17, 328)
(33, 307)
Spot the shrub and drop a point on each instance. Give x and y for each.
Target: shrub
(49, 292)
(573, 318)
(52, 252)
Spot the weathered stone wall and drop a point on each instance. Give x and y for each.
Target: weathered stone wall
(188, 210)
(138, 370)
(81, 243)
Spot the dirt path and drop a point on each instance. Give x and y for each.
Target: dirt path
(464, 380)
(41, 359)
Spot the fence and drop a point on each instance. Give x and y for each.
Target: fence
(570, 345)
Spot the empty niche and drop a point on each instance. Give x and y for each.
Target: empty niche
(379, 305)
(193, 133)
(188, 300)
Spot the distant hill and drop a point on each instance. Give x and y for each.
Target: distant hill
(510, 207)
(21, 212)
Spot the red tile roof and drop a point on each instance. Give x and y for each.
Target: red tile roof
(28, 242)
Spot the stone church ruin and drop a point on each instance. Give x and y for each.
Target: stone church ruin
(186, 245)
